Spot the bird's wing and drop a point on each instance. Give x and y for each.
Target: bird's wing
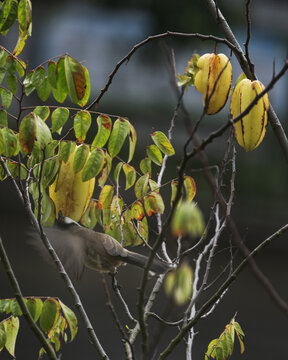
(70, 248)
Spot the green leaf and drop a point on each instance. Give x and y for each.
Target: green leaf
(66, 148)
(34, 306)
(38, 76)
(15, 308)
(25, 17)
(153, 203)
(141, 186)
(52, 73)
(2, 74)
(42, 111)
(50, 314)
(3, 118)
(9, 15)
(27, 133)
(5, 305)
(44, 90)
(130, 174)
(154, 154)
(104, 129)
(6, 97)
(132, 142)
(145, 166)
(10, 142)
(82, 122)
(119, 133)
(163, 143)
(188, 219)
(71, 319)
(179, 284)
(153, 185)
(59, 117)
(20, 67)
(94, 164)
(61, 90)
(50, 170)
(106, 170)
(28, 85)
(117, 171)
(11, 326)
(3, 336)
(11, 81)
(75, 78)
(90, 218)
(105, 197)
(3, 57)
(80, 158)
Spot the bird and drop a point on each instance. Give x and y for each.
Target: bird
(79, 247)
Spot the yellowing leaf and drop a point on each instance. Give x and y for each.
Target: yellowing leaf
(106, 170)
(76, 79)
(154, 154)
(130, 174)
(163, 143)
(105, 197)
(11, 326)
(132, 142)
(190, 188)
(179, 284)
(153, 203)
(71, 319)
(119, 133)
(104, 129)
(82, 122)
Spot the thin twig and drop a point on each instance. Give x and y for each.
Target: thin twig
(214, 298)
(246, 45)
(18, 294)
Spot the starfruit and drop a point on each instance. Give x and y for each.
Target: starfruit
(250, 129)
(69, 193)
(213, 68)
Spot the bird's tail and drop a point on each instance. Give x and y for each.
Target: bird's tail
(139, 260)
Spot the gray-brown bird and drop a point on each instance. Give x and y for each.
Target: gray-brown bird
(78, 247)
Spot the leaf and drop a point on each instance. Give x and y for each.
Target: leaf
(119, 133)
(154, 204)
(104, 129)
(163, 143)
(5, 305)
(179, 284)
(50, 314)
(52, 73)
(59, 117)
(94, 164)
(71, 319)
(145, 166)
(28, 85)
(188, 219)
(153, 185)
(105, 171)
(27, 133)
(20, 44)
(132, 141)
(25, 17)
(190, 188)
(34, 306)
(9, 141)
(6, 97)
(3, 57)
(86, 96)
(75, 78)
(2, 74)
(105, 197)
(82, 122)
(15, 308)
(43, 91)
(117, 171)
(80, 158)
(20, 67)
(38, 76)
(3, 336)
(61, 90)
(3, 118)
(11, 81)
(154, 154)
(11, 326)
(141, 186)
(42, 111)
(10, 8)
(66, 148)
(130, 174)
(90, 218)
(137, 211)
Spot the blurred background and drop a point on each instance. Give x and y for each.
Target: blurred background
(101, 33)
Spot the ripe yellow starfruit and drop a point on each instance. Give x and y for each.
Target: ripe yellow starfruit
(250, 129)
(213, 68)
(69, 193)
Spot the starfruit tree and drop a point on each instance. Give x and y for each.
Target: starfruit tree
(44, 152)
